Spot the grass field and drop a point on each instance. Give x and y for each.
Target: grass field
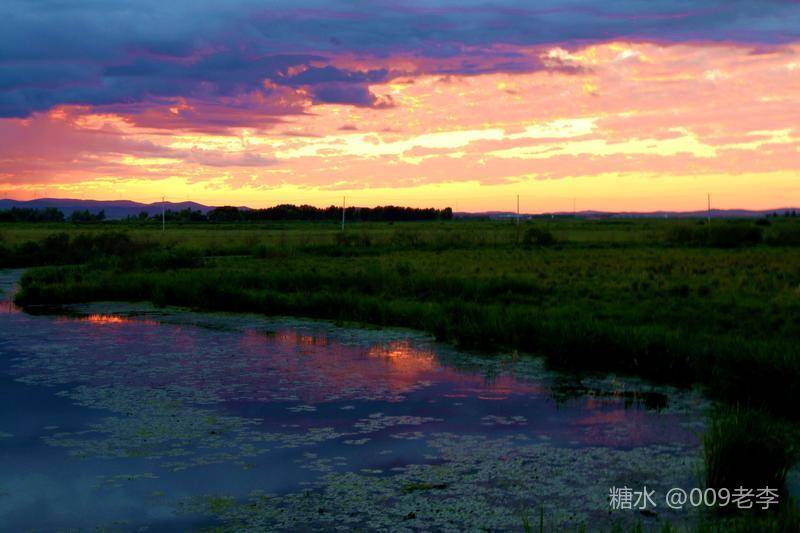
(673, 300)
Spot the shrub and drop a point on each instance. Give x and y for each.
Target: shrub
(732, 235)
(268, 251)
(538, 237)
(685, 235)
(362, 239)
(719, 235)
(407, 238)
(171, 258)
(784, 235)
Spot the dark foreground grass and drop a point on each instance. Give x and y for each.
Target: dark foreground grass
(748, 448)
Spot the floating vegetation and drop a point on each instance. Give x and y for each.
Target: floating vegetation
(357, 442)
(302, 409)
(157, 424)
(119, 480)
(494, 420)
(476, 480)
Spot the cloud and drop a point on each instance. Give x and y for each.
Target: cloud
(129, 52)
(216, 159)
(357, 95)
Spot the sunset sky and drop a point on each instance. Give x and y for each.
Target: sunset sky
(620, 105)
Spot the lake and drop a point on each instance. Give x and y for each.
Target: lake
(126, 416)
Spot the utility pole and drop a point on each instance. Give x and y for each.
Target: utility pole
(708, 200)
(518, 218)
(163, 215)
(574, 212)
(344, 199)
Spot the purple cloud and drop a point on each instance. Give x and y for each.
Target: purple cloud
(127, 52)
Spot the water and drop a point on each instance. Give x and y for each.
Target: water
(123, 416)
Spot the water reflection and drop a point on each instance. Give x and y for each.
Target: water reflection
(181, 404)
(8, 307)
(101, 319)
(312, 367)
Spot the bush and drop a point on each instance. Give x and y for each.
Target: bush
(685, 235)
(170, 259)
(407, 238)
(784, 235)
(732, 235)
(719, 235)
(538, 237)
(362, 240)
(268, 251)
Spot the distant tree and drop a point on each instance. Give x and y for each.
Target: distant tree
(51, 214)
(85, 215)
(224, 214)
(27, 214)
(184, 215)
(80, 216)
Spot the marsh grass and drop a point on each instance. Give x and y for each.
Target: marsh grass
(748, 448)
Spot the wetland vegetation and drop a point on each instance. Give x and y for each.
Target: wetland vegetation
(675, 301)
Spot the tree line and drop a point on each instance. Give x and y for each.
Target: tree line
(283, 212)
(388, 213)
(48, 214)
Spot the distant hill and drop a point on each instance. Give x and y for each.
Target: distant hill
(715, 213)
(117, 209)
(114, 209)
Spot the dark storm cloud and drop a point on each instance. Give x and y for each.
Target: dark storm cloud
(340, 93)
(126, 52)
(329, 74)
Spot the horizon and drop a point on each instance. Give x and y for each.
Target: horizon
(167, 202)
(625, 107)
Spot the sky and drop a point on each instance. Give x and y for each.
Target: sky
(629, 105)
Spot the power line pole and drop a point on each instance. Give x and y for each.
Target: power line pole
(708, 200)
(344, 199)
(163, 215)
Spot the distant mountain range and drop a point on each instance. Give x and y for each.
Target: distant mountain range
(114, 209)
(117, 209)
(715, 213)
